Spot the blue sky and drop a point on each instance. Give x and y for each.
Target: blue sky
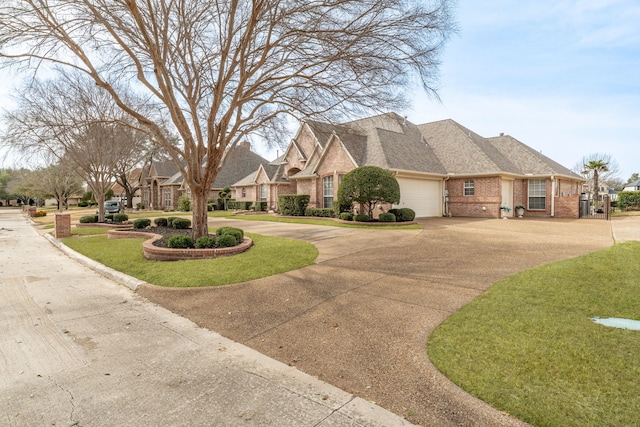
(561, 76)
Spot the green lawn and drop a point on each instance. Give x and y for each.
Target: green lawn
(528, 346)
(268, 256)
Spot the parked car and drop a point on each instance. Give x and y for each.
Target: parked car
(111, 207)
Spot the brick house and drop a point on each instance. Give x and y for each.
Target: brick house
(162, 183)
(442, 168)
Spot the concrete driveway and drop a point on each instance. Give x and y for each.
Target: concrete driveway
(361, 316)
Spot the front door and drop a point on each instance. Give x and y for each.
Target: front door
(507, 197)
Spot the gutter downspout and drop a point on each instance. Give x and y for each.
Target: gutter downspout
(445, 196)
(553, 196)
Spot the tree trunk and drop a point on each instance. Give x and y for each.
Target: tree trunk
(199, 222)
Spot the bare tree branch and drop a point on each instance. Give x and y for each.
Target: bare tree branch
(225, 69)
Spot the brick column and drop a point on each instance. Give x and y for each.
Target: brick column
(63, 225)
(32, 211)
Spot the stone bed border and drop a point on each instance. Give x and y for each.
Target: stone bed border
(157, 253)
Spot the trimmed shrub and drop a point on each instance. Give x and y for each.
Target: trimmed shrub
(405, 214)
(180, 242)
(204, 242)
(160, 222)
(141, 223)
(170, 220)
(346, 216)
(232, 230)
(259, 206)
(83, 204)
(361, 218)
(236, 233)
(387, 217)
(120, 217)
(320, 212)
(181, 223)
(108, 217)
(139, 206)
(39, 214)
(226, 241)
(238, 206)
(293, 204)
(184, 204)
(88, 219)
(211, 207)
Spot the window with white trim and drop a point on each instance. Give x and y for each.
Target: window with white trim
(263, 193)
(244, 192)
(469, 187)
(327, 191)
(537, 194)
(166, 198)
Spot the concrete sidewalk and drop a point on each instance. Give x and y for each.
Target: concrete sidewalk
(79, 349)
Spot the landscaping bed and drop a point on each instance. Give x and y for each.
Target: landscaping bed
(157, 246)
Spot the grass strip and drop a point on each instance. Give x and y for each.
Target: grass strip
(268, 256)
(528, 346)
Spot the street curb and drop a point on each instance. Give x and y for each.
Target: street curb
(124, 279)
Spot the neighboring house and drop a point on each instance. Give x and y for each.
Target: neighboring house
(442, 169)
(119, 193)
(632, 186)
(163, 184)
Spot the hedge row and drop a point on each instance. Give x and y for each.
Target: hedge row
(321, 212)
(119, 217)
(293, 204)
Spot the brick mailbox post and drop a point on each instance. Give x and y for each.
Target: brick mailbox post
(63, 225)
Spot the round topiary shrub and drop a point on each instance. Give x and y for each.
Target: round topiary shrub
(361, 218)
(238, 234)
(181, 223)
(405, 214)
(83, 204)
(346, 216)
(223, 230)
(180, 242)
(387, 217)
(160, 222)
(170, 220)
(88, 219)
(120, 217)
(141, 223)
(204, 242)
(226, 241)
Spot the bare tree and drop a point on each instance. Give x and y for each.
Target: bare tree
(69, 118)
(59, 181)
(224, 69)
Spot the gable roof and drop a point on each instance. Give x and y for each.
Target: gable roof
(462, 151)
(238, 163)
(527, 160)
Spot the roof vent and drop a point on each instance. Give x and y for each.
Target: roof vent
(501, 133)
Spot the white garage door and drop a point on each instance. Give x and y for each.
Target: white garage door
(422, 195)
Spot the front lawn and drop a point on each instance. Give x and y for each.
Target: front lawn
(529, 347)
(268, 256)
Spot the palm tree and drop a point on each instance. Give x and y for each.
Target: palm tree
(596, 166)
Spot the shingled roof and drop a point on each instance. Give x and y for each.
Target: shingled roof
(462, 151)
(527, 160)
